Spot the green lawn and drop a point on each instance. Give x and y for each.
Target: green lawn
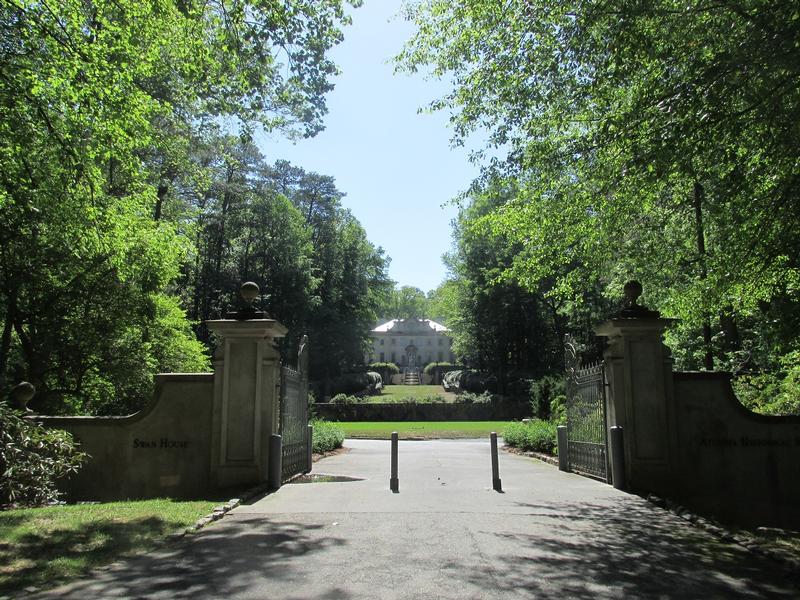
(45, 546)
(394, 393)
(422, 429)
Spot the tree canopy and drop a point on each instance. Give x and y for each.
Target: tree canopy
(656, 141)
(116, 174)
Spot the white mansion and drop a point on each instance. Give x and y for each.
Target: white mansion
(410, 343)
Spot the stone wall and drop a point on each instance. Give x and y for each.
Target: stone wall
(164, 450)
(687, 437)
(731, 462)
(423, 412)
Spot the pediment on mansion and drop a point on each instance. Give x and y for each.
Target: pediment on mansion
(411, 327)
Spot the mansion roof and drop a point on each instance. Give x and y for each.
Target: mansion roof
(411, 326)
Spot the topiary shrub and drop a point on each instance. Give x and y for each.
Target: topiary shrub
(431, 367)
(326, 436)
(386, 369)
(390, 367)
(532, 436)
(32, 459)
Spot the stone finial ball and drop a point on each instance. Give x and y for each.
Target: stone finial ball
(632, 289)
(249, 291)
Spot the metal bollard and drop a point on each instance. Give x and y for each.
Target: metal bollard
(496, 484)
(394, 483)
(275, 473)
(310, 449)
(618, 476)
(563, 449)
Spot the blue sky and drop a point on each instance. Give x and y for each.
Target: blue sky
(396, 166)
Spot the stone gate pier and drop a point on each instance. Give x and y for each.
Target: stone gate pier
(685, 434)
(200, 433)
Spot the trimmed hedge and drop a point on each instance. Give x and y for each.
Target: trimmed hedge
(533, 436)
(390, 367)
(326, 436)
(424, 411)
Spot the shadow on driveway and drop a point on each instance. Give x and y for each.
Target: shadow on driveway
(628, 551)
(234, 559)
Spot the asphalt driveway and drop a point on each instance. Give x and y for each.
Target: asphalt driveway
(447, 534)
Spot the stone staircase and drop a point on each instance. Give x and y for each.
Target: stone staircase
(411, 377)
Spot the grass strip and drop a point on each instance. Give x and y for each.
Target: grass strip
(426, 430)
(43, 547)
(394, 393)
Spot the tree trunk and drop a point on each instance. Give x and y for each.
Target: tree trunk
(161, 193)
(699, 198)
(5, 342)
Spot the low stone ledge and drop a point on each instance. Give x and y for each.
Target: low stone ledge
(740, 538)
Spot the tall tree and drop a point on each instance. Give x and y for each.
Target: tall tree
(406, 302)
(100, 102)
(655, 140)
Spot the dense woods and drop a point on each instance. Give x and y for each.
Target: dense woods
(658, 141)
(133, 201)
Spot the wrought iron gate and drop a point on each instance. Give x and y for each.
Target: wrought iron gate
(587, 439)
(294, 416)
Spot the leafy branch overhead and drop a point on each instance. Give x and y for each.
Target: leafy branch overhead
(114, 118)
(658, 141)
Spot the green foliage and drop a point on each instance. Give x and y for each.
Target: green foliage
(109, 118)
(33, 459)
(408, 302)
(772, 393)
(558, 410)
(497, 326)
(345, 399)
(473, 398)
(426, 399)
(650, 141)
(326, 436)
(388, 367)
(285, 229)
(533, 436)
(422, 429)
(543, 393)
(431, 367)
(43, 547)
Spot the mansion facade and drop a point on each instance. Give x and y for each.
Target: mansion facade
(410, 343)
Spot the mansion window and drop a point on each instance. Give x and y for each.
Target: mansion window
(382, 340)
(441, 341)
(382, 358)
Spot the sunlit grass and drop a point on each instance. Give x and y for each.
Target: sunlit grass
(395, 393)
(422, 429)
(43, 547)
